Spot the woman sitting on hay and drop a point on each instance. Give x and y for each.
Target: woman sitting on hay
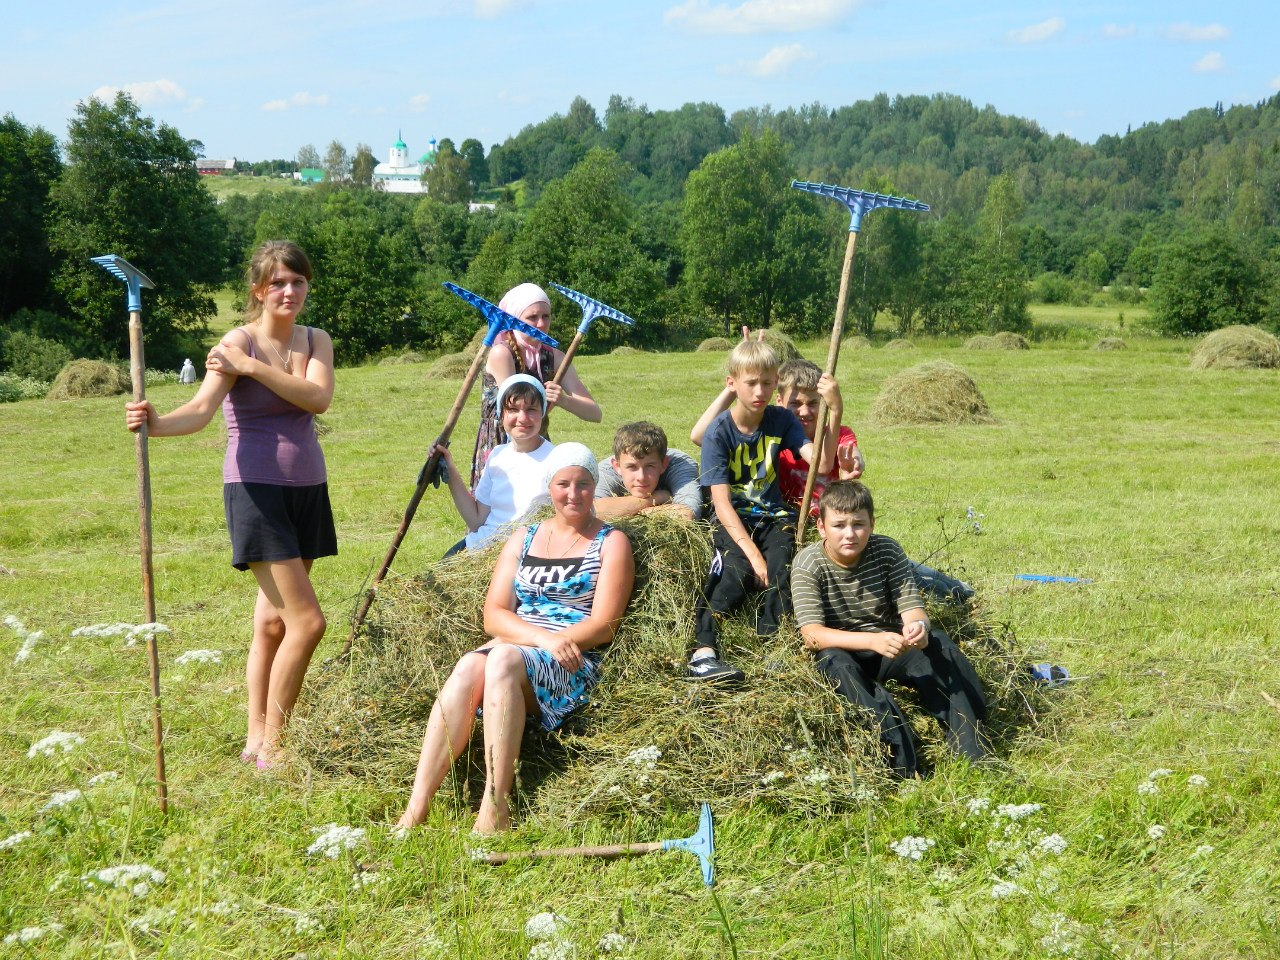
(558, 591)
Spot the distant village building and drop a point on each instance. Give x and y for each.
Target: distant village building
(398, 175)
(211, 168)
(310, 175)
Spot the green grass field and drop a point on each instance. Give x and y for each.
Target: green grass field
(1154, 774)
(224, 186)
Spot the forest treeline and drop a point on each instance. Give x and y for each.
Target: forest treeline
(682, 218)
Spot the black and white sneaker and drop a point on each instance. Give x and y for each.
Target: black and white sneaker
(714, 670)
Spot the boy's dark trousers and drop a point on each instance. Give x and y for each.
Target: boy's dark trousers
(731, 579)
(941, 674)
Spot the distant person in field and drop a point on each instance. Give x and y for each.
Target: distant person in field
(859, 610)
(557, 595)
(801, 386)
(271, 376)
(511, 483)
(512, 353)
(753, 528)
(644, 476)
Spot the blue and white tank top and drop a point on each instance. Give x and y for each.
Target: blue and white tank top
(554, 594)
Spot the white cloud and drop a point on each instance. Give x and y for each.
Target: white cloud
(148, 93)
(298, 100)
(419, 102)
(760, 16)
(1275, 83)
(194, 105)
(1189, 31)
(777, 61)
(1209, 63)
(1038, 32)
(493, 9)
(1113, 31)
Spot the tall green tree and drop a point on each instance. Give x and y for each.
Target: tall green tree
(29, 164)
(308, 157)
(131, 188)
(1205, 280)
(448, 179)
(472, 151)
(1001, 286)
(362, 165)
(337, 163)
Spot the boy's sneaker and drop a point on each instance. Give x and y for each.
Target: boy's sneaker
(714, 670)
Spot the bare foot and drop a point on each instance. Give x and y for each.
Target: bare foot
(412, 817)
(494, 817)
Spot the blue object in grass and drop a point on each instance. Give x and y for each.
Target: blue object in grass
(1050, 674)
(1049, 578)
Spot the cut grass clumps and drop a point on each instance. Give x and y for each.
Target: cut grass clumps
(1008, 340)
(714, 345)
(409, 356)
(1111, 343)
(650, 740)
(980, 342)
(783, 345)
(451, 366)
(899, 344)
(625, 351)
(88, 378)
(1236, 348)
(933, 392)
(855, 343)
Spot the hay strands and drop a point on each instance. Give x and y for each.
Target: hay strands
(498, 321)
(134, 280)
(701, 844)
(860, 203)
(591, 308)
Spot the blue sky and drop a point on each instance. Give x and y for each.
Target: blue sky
(259, 80)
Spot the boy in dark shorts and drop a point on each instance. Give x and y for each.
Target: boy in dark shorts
(858, 608)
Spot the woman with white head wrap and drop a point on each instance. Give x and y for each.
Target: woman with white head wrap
(514, 352)
(558, 591)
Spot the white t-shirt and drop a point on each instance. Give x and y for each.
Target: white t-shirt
(512, 484)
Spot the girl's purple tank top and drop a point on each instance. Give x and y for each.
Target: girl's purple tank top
(269, 439)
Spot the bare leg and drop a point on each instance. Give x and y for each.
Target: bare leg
(448, 730)
(286, 587)
(508, 697)
(268, 631)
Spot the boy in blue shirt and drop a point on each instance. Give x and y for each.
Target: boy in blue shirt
(753, 527)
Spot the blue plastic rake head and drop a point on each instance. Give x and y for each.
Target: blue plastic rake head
(859, 202)
(702, 845)
(592, 308)
(498, 319)
(134, 278)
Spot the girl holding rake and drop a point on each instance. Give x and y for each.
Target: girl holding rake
(271, 376)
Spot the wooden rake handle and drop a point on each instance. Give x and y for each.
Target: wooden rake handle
(607, 852)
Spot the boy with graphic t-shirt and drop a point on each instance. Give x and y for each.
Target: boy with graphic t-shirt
(753, 529)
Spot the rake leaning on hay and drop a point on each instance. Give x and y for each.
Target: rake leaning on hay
(558, 592)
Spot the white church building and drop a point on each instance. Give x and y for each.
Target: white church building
(398, 175)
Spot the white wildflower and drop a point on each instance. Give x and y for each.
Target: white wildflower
(644, 757)
(29, 638)
(1203, 850)
(1156, 831)
(553, 950)
(334, 840)
(103, 630)
(223, 908)
(612, 943)
(1004, 888)
(105, 777)
(137, 878)
(1063, 936)
(1197, 780)
(1148, 788)
(544, 926)
(818, 777)
(58, 741)
(478, 853)
(61, 798)
(1054, 843)
(15, 839)
(1158, 773)
(432, 944)
(911, 848)
(364, 879)
(198, 656)
(31, 934)
(303, 925)
(943, 876)
(1017, 811)
(978, 805)
(862, 794)
(13, 623)
(155, 920)
(773, 776)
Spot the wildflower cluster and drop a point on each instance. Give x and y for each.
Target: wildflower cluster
(975, 520)
(1024, 851)
(549, 930)
(198, 656)
(130, 631)
(136, 878)
(911, 848)
(31, 934)
(646, 758)
(29, 638)
(334, 840)
(57, 742)
(15, 839)
(61, 798)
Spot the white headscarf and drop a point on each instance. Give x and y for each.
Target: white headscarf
(515, 378)
(515, 302)
(571, 454)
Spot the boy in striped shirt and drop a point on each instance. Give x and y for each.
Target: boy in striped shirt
(858, 608)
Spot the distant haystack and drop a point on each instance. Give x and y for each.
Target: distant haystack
(934, 392)
(855, 343)
(783, 345)
(899, 344)
(714, 345)
(625, 351)
(476, 340)
(88, 378)
(1111, 343)
(451, 366)
(1008, 340)
(980, 342)
(1236, 348)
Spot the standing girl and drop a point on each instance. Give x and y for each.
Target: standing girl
(271, 376)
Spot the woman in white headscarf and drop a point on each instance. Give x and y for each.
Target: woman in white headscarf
(512, 353)
(558, 592)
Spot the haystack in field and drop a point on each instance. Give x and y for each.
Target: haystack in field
(714, 345)
(476, 340)
(1111, 343)
(980, 342)
(1236, 348)
(451, 366)
(650, 740)
(625, 351)
(88, 378)
(899, 344)
(1008, 340)
(409, 356)
(783, 345)
(934, 392)
(855, 343)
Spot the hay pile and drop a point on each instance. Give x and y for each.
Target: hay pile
(783, 345)
(899, 344)
(1110, 343)
(409, 356)
(1008, 340)
(625, 351)
(476, 340)
(934, 392)
(855, 343)
(1234, 348)
(783, 740)
(88, 378)
(714, 345)
(980, 342)
(451, 366)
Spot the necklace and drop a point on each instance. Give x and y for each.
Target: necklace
(286, 361)
(576, 537)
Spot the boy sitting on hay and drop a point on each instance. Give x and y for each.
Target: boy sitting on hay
(858, 608)
(643, 476)
(753, 530)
